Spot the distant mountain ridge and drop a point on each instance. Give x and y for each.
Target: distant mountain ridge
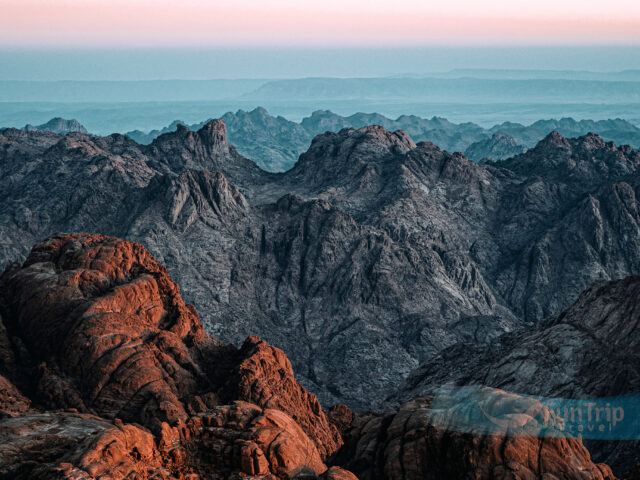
(532, 74)
(500, 146)
(58, 125)
(459, 89)
(275, 143)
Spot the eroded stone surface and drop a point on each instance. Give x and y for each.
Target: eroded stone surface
(101, 329)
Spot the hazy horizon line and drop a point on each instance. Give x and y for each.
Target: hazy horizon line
(397, 76)
(267, 62)
(305, 47)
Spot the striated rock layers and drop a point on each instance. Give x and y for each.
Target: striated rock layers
(108, 374)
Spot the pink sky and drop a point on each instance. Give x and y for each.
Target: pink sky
(116, 23)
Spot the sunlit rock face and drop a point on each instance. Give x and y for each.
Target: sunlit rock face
(94, 325)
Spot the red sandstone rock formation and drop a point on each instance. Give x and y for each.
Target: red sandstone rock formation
(105, 332)
(265, 377)
(76, 446)
(12, 402)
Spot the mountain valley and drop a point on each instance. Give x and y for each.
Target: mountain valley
(382, 267)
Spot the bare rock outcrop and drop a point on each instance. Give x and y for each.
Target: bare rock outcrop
(370, 258)
(264, 376)
(117, 379)
(103, 331)
(12, 402)
(588, 352)
(205, 149)
(76, 446)
(107, 330)
(421, 441)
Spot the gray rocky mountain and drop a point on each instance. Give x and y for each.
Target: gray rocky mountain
(58, 125)
(370, 257)
(617, 130)
(588, 352)
(499, 147)
(275, 143)
(146, 138)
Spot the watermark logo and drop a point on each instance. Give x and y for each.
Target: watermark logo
(492, 411)
(596, 418)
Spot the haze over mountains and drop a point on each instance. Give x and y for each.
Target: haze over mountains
(275, 143)
(319, 240)
(483, 96)
(381, 262)
(455, 86)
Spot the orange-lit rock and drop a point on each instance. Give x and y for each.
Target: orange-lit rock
(106, 333)
(265, 377)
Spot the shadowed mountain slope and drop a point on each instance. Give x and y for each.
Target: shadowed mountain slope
(367, 259)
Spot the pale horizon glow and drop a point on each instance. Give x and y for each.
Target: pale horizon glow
(160, 23)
